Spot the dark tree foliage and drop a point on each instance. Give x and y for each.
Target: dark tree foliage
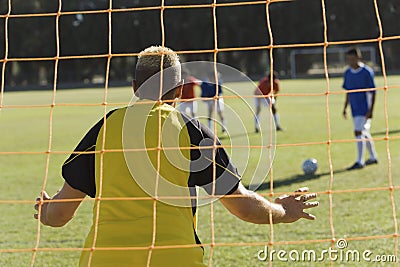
(186, 29)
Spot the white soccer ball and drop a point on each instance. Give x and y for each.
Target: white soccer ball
(310, 166)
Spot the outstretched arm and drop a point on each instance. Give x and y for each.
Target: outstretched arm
(251, 207)
(57, 214)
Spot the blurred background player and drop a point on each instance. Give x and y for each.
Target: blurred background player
(188, 105)
(209, 90)
(264, 88)
(360, 76)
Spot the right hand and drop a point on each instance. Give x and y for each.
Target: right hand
(345, 114)
(295, 204)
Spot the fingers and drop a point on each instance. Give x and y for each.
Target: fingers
(309, 205)
(296, 204)
(45, 195)
(39, 202)
(301, 197)
(300, 192)
(307, 197)
(308, 216)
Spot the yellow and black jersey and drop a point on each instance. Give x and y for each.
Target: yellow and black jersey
(120, 169)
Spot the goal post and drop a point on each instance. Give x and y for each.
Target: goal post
(309, 62)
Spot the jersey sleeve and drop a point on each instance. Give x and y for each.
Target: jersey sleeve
(226, 179)
(79, 169)
(261, 84)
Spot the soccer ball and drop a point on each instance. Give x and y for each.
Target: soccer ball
(310, 166)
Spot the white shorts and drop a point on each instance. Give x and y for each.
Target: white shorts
(188, 107)
(361, 124)
(263, 101)
(211, 104)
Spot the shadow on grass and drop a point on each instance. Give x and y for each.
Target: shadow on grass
(238, 135)
(297, 179)
(384, 132)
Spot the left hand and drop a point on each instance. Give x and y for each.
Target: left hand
(345, 114)
(369, 114)
(43, 210)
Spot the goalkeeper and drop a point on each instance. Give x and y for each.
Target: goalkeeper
(128, 232)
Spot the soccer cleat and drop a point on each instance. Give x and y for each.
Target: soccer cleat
(278, 128)
(371, 161)
(356, 166)
(257, 130)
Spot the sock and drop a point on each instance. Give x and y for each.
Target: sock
(209, 125)
(370, 146)
(360, 149)
(223, 125)
(276, 119)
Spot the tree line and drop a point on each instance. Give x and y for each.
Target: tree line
(185, 29)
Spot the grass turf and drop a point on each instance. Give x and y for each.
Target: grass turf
(364, 213)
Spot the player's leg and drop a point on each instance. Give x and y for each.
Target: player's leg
(220, 110)
(360, 146)
(210, 108)
(358, 127)
(275, 114)
(373, 158)
(257, 103)
(276, 118)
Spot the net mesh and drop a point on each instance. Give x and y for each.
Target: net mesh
(330, 192)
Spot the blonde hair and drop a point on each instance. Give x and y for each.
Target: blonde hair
(150, 58)
(149, 72)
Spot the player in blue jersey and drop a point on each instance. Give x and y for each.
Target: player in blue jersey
(360, 76)
(209, 90)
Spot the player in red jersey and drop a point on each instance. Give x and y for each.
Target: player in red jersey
(264, 89)
(188, 105)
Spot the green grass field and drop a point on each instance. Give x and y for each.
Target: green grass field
(365, 213)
